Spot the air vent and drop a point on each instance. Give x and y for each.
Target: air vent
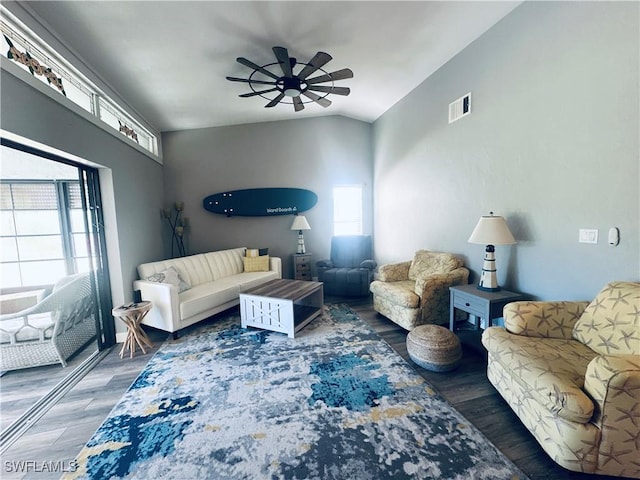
(460, 108)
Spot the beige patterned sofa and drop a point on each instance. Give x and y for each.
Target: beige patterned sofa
(571, 372)
(416, 292)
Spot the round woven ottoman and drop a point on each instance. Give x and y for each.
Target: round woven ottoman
(434, 347)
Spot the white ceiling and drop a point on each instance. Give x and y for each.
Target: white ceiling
(168, 59)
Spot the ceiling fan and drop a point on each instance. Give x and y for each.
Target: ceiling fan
(294, 81)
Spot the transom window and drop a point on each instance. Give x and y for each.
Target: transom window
(25, 49)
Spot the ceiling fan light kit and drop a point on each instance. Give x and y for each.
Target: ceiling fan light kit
(294, 82)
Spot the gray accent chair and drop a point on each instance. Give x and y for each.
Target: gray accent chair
(53, 329)
(349, 271)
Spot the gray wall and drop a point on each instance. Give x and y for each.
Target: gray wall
(551, 144)
(313, 154)
(134, 182)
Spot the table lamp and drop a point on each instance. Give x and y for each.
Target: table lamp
(491, 230)
(300, 223)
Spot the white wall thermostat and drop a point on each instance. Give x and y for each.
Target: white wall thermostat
(614, 236)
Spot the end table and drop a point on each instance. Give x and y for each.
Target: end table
(132, 314)
(479, 303)
(302, 266)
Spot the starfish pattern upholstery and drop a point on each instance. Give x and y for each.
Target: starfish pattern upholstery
(416, 292)
(571, 373)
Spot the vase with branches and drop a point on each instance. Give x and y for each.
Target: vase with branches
(179, 226)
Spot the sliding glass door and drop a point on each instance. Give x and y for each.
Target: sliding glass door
(52, 255)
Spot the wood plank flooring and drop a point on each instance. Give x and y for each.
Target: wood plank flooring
(20, 389)
(61, 433)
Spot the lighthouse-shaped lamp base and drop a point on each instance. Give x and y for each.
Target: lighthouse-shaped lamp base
(301, 248)
(488, 279)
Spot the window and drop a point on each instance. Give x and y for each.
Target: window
(42, 232)
(347, 210)
(33, 55)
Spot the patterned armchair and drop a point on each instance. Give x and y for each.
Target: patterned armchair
(416, 292)
(571, 372)
(350, 269)
(53, 329)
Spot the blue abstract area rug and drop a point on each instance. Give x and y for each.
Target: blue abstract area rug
(336, 402)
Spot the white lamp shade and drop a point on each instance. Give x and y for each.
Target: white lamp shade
(300, 223)
(492, 230)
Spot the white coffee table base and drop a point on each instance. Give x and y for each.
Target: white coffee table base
(280, 314)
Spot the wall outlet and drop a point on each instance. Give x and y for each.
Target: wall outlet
(588, 235)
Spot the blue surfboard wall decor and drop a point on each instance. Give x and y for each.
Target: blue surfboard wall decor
(260, 202)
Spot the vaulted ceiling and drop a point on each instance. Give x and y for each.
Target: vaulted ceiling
(168, 59)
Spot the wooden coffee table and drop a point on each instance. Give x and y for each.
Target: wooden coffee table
(284, 306)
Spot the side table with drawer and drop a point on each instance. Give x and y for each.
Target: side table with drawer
(479, 303)
(302, 266)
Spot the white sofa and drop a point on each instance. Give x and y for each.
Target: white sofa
(214, 280)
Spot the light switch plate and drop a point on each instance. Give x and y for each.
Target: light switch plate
(588, 235)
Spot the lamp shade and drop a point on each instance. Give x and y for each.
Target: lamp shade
(492, 230)
(300, 223)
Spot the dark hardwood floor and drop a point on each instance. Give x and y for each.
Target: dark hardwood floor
(61, 433)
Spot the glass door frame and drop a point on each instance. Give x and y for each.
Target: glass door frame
(96, 243)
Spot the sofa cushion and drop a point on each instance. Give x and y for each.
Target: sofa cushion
(611, 323)
(225, 263)
(248, 280)
(213, 294)
(426, 263)
(401, 292)
(551, 370)
(207, 296)
(342, 276)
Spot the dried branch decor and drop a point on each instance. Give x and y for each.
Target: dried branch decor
(179, 226)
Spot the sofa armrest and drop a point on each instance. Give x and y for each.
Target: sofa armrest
(613, 382)
(275, 265)
(543, 319)
(325, 263)
(394, 272)
(369, 265)
(165, 313)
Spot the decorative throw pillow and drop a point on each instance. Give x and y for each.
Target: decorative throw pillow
(256, 264)
(256, 252)
(170, 276)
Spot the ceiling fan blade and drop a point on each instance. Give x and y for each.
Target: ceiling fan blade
(318, 60)
(246, 80)
(297, 104)
(253, 94)
(336, 90)
(317, 98)
(282, 55)
(250, 64)
(275, 101)
(337, 75)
